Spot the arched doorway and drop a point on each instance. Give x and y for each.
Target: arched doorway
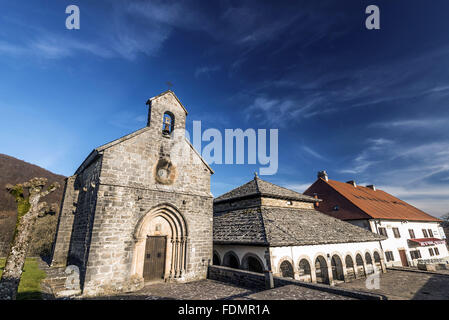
(360, 266)
(231, 260)
(377, 261)
(161, 244)
(216, 259)
(369, 263)
(305, 273)
(337, 268)
(252, 263)
(350, 270)
(286, 269)
(321, 271)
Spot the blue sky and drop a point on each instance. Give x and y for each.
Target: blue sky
(369, 105)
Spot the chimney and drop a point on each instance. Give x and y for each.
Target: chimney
(352, 182)
(323, 174)
(317, 204)
(371, 186)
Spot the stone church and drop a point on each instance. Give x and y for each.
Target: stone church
(139, 208)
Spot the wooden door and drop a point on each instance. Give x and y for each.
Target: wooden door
(403, 258)
(154, 265)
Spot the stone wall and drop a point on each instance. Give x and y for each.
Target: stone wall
(65, 223)
(86, 187)
(256, 281)
(272, 202)
(119, 209)
(236, 204)
(242, 278)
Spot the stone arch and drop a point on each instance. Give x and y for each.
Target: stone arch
(231, 260)
(286, 269)
(338, 272)
(350, 268)
(377, 260)
(281, 260)
(216, 260)
(305, 269)
(252, 262)
(360, 265)
(321, 270)
(167, 221)
(369, 263)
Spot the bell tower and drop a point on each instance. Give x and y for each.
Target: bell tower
(166, 114)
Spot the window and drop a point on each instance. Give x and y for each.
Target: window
(383, 232)
(389, 255)
(430, 233)
(396, 233)
(412, 233)
(437, 252)
(424, 232)
(431, 252)
(415, 254)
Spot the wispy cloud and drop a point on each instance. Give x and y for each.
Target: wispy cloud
(274, 111)
(127, 120)
(372, 154)
(430, 123)
(206, 71)
(313, 153)
(429, 198)
(298, 187)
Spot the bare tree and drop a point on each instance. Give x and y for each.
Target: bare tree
(29, 208)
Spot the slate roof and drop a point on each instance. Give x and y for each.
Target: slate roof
(259, 187)
(375, 204)
(275, 226)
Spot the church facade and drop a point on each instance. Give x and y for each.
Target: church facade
(139, 208)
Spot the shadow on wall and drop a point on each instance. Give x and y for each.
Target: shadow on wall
(436, 288)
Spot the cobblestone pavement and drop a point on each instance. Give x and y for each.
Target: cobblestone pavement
(406, 285)
(214, 290)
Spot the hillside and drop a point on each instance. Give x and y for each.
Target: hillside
(14, 171)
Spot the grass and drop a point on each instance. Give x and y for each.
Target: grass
(29, 286)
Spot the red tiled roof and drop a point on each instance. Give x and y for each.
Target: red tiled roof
(378, 204)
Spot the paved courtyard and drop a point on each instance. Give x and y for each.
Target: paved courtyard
(407, 285)
(214, 290)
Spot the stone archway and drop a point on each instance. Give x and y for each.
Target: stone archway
(304, 268)
(252, 262)
(337, 268)
(369, 264)
(350, 269)
(216, 259)
(321, 270)
(231, 260)
(377, 262)
(286, 269)
(162, 221)
(361, 272)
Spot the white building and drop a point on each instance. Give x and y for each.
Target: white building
(411, 233)
(260, 226)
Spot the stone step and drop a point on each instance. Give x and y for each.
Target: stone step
(55, 282)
